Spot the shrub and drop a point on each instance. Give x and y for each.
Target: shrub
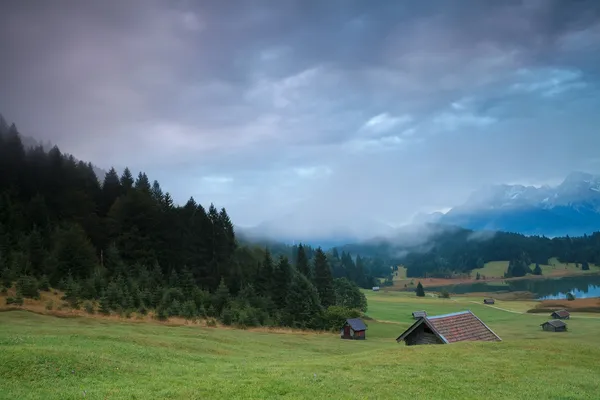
(161, 314)
(444, 294)
(44, 284)
(88, 307)
(211, 322)
(28, 287)
(227, 316)
(49, 305)
(335, 316)
(189, 311)
(3, 290)
(104, 305)
(17, 300)
(570, 296)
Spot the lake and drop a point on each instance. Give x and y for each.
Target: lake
(543, 289)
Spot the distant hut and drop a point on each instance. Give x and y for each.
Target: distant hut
(419, 314)
(448, 328)
(555, 325)
(376, 288)
(354, 328)
(489, 301)
(561, 314)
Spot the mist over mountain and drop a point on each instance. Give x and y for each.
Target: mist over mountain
(570, 208)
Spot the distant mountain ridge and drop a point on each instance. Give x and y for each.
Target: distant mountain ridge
(570, 208)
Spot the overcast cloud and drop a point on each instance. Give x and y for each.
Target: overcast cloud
(324, 111)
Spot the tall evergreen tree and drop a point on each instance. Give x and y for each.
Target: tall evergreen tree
(420, 290)
(323, 279)
(282, 278)
(302, 262)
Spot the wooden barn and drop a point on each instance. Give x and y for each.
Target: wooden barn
(419, 314)
(354, 328)
(561, 314)
(448, 328)
(555, 325)
(489, 301)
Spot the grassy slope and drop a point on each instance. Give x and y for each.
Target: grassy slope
(496, 269)
(49, 357)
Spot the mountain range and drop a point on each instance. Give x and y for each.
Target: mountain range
(570, 208)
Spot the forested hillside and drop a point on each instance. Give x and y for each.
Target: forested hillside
(123, 246)
(451, 250)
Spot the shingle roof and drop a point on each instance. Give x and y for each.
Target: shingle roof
(557, 323)
(356, 324)
(419, 314)
(456, 327)
(562, 313)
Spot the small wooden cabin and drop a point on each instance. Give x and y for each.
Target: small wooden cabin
(419, 314)
(489, 301)
(561, 314)
(448, 328)
(354, 328)
(555, 325)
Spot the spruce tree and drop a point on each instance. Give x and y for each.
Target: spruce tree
(537, 270)
(302, 262)
(265, 275)
(282, 278)
(303, 308)
(323, 279)
(420, 290)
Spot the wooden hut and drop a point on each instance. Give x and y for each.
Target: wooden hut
(419, 314)
(448, 328)
(554, 325)
(561, 314)
(489, 301)
(354, 328)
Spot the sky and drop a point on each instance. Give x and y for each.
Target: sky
(311, 116)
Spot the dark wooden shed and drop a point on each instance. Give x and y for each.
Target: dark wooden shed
(489, 301)
(554, 325)
(354, 328)
(419, 314)
(448, 328)
(561, 314)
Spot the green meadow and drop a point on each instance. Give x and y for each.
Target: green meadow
(45, 357)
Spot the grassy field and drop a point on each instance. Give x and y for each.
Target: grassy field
(496, 269)
(60, 358)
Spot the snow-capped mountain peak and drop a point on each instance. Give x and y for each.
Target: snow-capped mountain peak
(571, 207)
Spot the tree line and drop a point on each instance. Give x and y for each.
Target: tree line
(454, 250)
(122, 245)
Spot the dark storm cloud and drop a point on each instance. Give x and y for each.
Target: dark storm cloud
(243, 101)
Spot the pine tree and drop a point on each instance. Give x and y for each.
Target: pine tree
(104, 304)
(221, 297)
(585, 266)
(302, 262)
(537, 270)
(323, 279)
(420, 290)
(126, 180)
(282, 278)
(74, 252)
(265, 275)
(303, 308)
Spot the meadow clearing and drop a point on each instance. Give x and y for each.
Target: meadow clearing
(48, 357)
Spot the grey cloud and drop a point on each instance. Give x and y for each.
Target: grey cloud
(194, 91)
